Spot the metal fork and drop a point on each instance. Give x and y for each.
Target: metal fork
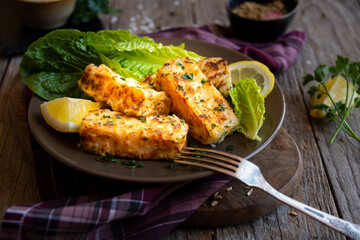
(251, 175)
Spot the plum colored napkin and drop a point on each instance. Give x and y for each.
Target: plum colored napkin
(80, 206)
(277, 55)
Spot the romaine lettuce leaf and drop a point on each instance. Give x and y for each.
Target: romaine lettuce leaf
(54, 63)
(249, 106)
(146, 62)
(112, 42)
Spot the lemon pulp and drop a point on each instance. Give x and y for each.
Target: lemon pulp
(65, 114)
(337, 90)
(253, 69)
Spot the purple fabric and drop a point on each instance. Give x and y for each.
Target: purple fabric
(277, 55)
(148, 212)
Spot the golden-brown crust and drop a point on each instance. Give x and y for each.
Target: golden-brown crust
(123, 95)
(149, 81)
(196, 100)
(217, 71)
(154, 137)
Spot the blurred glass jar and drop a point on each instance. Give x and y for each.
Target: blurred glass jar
(45, 14)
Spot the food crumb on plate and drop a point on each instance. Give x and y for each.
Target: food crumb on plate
(250, 192)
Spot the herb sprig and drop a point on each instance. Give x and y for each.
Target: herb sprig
(107, 158)
(130, 164)
(87, 10)
(189, 76)
(339, 110)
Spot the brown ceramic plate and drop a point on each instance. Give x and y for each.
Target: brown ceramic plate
(64, 146)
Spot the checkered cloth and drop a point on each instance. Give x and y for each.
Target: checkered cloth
(152, 211)
(146, 213)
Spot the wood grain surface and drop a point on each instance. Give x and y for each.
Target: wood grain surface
(17, 179)
(331, 176)
(280, 163)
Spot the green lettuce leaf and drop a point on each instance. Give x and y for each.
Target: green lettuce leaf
(147, 62)
(53, 64)
(249, 106)
(111, 42)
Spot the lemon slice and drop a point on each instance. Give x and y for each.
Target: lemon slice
(65, 114)
(337, 90)
(253, 69)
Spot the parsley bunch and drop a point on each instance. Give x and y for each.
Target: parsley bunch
(339, 110)
(87, 10)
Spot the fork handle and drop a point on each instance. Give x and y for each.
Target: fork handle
(347, 228)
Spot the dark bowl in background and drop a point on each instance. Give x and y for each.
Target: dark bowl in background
(260, 30)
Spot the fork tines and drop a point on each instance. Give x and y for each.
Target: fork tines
(211, 159)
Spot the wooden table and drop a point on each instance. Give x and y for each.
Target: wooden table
(331, 175)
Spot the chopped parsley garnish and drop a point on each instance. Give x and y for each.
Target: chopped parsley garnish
(143, 119)
(182, 120)
(115, 160)
(152, 85)
(196, 151)
(202, 152)
(189, 76)
(204, 81)
(107, 158)
(229, 147)
(213, 125)
(181, 65)
(106, 116)
(132, 164)
(202, 100)
(122, 78)
(221, 107)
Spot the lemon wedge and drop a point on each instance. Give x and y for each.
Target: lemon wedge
(252, 69)
(65, 114)
(337, 90)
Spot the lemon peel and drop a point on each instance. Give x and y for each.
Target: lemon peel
(337, 89)
(253, 69)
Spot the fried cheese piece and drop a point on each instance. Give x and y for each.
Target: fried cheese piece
(217, 71)
(125, 95)
(153, 137)
(196, 100)
(149, 81)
